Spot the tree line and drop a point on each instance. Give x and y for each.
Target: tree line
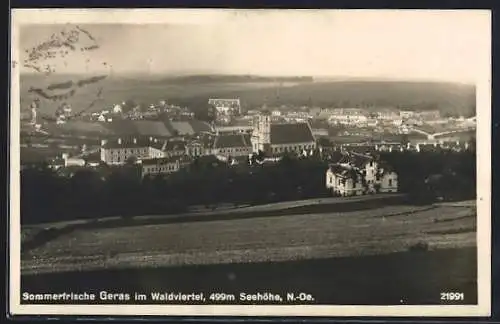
(121, 191)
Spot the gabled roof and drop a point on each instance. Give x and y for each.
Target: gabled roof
(232, 140)
(291, 133)
(158, 144)
(175, 146)
(344, 172)
(360, 160)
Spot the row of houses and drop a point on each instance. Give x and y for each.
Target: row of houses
(273, 139)
(424, 146)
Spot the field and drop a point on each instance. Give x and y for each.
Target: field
(345, 258)
(279, 238)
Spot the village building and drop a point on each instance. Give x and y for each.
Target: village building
(160, 166)
(391, 147)
(226, 106)
(348, 117)
(195, 148)
(427, 115)
(117, 109)
(121, 150)
(72, 161)
(405, 114)
(232, 145)
(387, 114)
(359, 174)
(276, 139)
(173, 148)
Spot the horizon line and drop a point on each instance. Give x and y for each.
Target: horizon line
(268, 76)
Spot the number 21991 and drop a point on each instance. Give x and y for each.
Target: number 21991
(448, 296)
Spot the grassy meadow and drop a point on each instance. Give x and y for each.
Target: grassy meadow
(368, 257)
(263, 239)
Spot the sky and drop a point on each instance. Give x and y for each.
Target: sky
(430, 45)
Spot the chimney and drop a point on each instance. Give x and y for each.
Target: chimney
(119, 141)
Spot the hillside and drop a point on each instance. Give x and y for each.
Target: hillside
(194, 91)
(370, 232)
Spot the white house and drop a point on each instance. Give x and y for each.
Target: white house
(226, 106)
(72, 161)
(117, 109)
(358, 174)
(349, 117)
(406, 114)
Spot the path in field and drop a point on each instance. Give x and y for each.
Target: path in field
(283, 238)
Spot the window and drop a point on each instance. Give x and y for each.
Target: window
(390, 182)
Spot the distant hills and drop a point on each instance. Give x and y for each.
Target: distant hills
(234, 79)
(254, 91)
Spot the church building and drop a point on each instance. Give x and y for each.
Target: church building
(278, 138)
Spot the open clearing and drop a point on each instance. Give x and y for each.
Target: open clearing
(279, 238)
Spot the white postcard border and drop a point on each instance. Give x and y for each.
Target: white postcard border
(129, 16)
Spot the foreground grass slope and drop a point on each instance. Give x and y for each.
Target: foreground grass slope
(292, 237)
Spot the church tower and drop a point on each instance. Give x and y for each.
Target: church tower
(34, 108)
(261, 137)
(265, 127)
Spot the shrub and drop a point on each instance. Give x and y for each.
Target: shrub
(419, 247)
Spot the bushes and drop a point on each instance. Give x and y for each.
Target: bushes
(419, 247)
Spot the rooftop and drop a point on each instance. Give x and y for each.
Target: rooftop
(291, 133)
(175, 146)
(128, 143)
(232, 140)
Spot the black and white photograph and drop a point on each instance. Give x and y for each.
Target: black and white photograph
(250, 162)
